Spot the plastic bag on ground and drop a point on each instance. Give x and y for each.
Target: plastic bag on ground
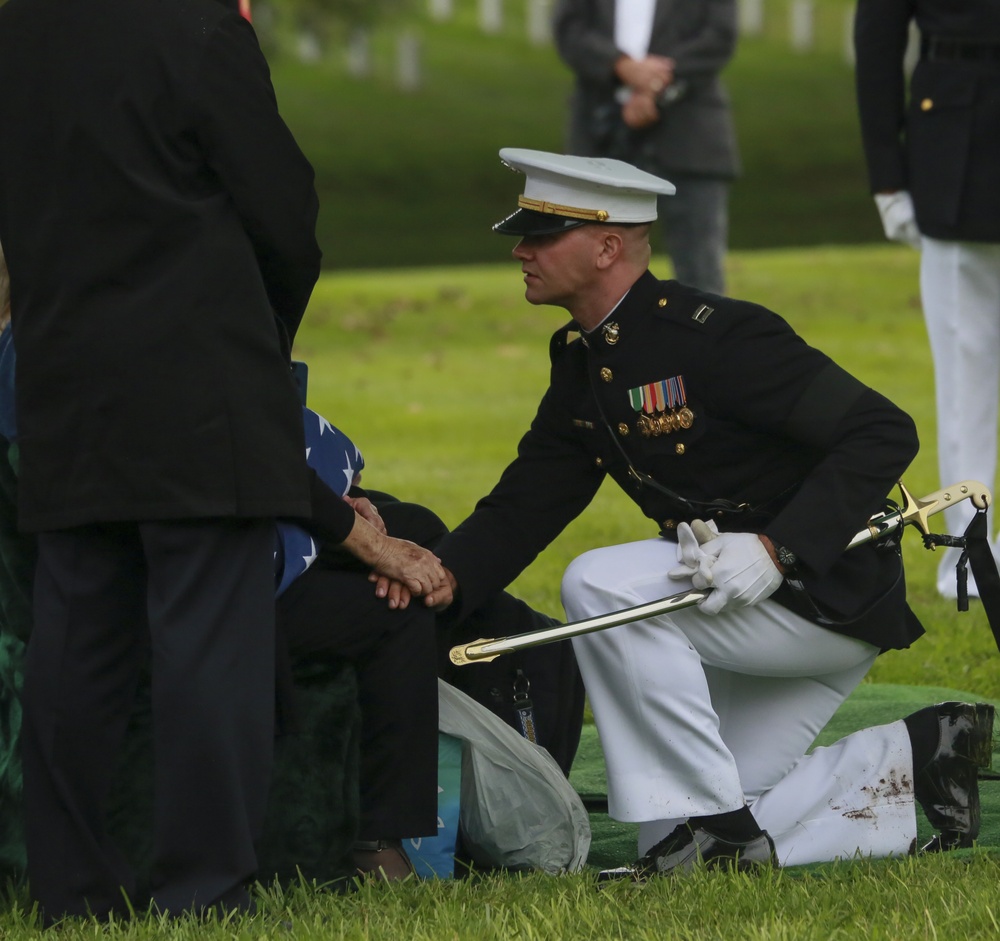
(518, 810)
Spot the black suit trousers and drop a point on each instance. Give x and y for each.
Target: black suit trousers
(331, 612)
(196, 598)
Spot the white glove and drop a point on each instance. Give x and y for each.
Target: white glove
(736, 566)
(693, 558)
(898, 218)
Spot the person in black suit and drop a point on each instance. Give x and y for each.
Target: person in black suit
(648, 91)
(933, 157)
(757, 458)
(158, 223)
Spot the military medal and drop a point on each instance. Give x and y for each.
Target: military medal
(662, 406)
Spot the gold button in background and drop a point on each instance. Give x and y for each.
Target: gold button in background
(679, 447)
(606, 374)
(926, 104)
(622, 429)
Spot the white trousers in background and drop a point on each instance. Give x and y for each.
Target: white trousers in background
(960, 291)
(699, 715)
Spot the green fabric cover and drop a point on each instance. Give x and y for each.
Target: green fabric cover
(313, 811)
(614, 843)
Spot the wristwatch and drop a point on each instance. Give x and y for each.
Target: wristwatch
(785, 556)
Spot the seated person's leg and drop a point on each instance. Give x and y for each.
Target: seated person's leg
(331, 612)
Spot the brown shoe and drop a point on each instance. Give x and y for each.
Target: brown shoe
(382, 860)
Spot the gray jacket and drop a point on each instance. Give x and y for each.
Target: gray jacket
(695, 133)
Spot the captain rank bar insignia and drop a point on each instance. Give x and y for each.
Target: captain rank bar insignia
(662, 406)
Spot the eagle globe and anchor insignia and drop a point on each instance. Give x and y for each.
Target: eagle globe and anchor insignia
(662, 406)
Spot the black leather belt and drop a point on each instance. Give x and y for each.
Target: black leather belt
(936, 48)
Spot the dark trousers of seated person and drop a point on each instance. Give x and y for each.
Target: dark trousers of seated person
(331, 612)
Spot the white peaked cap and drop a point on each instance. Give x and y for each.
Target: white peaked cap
(562, 191)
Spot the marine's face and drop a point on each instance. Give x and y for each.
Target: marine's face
(558, 269)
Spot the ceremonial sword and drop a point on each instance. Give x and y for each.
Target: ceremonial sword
(913, 511)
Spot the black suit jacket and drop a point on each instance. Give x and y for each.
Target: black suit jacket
(777, 426)
(939, 138)
(158, 220)
(695, 133)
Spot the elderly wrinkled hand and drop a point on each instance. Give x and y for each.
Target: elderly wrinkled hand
(367, 511)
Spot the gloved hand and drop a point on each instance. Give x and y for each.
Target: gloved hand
(738, 569)
(694, 560)
(898, 217)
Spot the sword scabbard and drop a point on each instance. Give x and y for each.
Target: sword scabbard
(914, 511)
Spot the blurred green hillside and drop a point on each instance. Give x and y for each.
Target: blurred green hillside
(412, 177)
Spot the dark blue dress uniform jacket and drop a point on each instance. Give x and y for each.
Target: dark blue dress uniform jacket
(941, 139)
(778, 426)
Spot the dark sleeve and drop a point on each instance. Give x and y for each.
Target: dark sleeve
(252, 151)
(769, 378)
(332, 518)
(585, 45)
(548, 484)
(881, 32)
(707, 50)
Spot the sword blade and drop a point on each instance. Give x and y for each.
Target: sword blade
(915, 512)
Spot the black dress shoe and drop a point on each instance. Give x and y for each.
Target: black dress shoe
(688, 848)
(946, 786)
(381, 860)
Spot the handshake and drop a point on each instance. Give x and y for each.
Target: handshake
(736, 566)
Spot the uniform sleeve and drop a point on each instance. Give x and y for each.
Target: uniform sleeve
(768, 378)
(549, 483)
(252, 151)
(881, 32)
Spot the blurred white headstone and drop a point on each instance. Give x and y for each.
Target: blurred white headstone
(491, 15)
(408, 61)
(539, 29)
(308, 47)
(440, 9)
(359, 53)
(801, 24)
(751, 17)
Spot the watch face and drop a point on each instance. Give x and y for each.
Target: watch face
(786, 557)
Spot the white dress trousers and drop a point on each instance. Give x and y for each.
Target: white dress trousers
(700, 715)
(960, 291)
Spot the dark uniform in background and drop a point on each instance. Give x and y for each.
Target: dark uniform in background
(158, 220)
(933, 155)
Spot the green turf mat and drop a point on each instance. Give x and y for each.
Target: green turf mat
(614, 843)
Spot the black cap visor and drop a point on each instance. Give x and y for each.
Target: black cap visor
(530, 222)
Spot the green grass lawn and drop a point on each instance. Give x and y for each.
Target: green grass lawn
(435, 372)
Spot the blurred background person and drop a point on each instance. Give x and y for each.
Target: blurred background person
(933, 156)
(648, 92)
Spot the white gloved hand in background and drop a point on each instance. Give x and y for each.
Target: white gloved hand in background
(898, 217)
(735, 565)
